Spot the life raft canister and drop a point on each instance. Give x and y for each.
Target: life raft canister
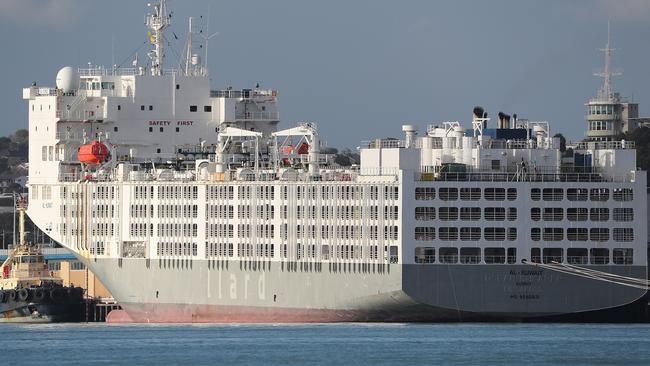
(93, 153)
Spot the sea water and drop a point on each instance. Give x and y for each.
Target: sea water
(331, 344)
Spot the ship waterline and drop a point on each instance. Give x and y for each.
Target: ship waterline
(223, 292)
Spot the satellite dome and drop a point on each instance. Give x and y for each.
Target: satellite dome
(66, 79)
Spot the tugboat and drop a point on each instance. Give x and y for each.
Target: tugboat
(28, 292)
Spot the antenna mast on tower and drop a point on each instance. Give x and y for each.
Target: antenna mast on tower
(157, 22)
(606, 92)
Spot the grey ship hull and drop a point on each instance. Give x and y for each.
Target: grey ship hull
(238, 291)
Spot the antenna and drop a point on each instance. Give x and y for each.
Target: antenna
(113, 52)
(605, 92)
(207, 40)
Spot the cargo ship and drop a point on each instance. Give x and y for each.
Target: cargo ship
(192, 205)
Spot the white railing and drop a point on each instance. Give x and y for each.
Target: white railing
(46, 92)
(129, 71)
(69, 136)
(383, 144)
(258, 116)
(605, 145)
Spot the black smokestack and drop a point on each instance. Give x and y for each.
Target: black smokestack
(504, 120)
(478, 112)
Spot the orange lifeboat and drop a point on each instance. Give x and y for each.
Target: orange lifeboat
(93, 153)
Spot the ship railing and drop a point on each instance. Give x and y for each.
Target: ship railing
(77, 177)
(425, 259)
(605, 145)
(243, 93)
(258, 116)
(389, 143)
(538, 175)
(322, 158)
(622, 259)
(47, 92)
(448, 258)
(69, 136)
(577, 259)
(494, 259)
(599, 260)
(552, 258)
(379, 171)
(120, 71)
(470, 259)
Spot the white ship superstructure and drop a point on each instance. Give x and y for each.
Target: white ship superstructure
(191, 205)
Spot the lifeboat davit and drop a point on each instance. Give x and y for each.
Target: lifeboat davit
(93, 153)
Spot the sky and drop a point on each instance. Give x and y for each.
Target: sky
(359, 69)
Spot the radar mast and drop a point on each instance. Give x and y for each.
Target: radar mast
(157, 22)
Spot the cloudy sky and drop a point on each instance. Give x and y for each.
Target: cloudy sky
(361, 68)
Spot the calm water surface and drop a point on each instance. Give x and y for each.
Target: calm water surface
(340, 344)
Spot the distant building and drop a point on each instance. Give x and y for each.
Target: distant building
(609, 114)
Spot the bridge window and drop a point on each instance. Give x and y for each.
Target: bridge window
(207, 108)
(193, 108)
